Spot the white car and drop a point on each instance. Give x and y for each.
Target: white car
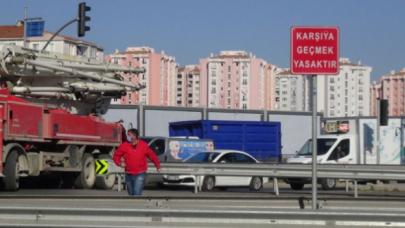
(210, 182)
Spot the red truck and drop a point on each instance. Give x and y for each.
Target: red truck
(36, 139)
(50, 108)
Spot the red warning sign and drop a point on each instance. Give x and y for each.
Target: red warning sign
(314, 50)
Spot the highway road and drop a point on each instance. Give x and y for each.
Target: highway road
(365, 191)
(180, 207)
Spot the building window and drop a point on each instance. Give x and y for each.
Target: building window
(81, 50)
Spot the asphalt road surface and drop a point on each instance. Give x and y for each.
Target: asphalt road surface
(51, 206)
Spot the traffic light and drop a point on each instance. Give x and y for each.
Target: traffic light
(82, 19)
(383, 112)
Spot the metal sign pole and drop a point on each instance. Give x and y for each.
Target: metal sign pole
(314, 142)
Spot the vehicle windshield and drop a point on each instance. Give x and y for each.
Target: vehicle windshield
(202, 157)
(323, 146)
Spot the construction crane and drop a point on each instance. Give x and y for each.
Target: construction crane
(81, 85)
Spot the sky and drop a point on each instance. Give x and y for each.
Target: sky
(371, 31)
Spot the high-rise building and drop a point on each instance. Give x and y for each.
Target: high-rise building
(346, 94)
(188, 86)
(234, 79)
(159, 77)
(392, 88)
(375, 95)
(291, 92)
(270, 83)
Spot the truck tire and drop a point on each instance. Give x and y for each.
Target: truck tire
(11, 169)
(328, 184)
(208, 183)
(297, 186)
(105, 181)
(256, 184)
(87, 176)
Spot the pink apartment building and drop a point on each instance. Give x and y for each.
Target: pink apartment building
(159, 78)
(375, 94)
(235, 80)
(392, 88)
(188, 86)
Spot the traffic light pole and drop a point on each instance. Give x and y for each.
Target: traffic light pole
(60, 30)
(25, 26)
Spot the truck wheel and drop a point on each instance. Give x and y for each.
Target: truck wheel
(208, 183)
(297, 186)
(105, 181)
(256, 184)
(11, 170)
(87, 176)
(328, 184)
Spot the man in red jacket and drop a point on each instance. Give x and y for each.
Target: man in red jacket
(133, 156)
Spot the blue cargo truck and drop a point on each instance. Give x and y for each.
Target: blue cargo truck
(260, 139)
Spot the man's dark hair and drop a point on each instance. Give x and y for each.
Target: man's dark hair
(134, 132)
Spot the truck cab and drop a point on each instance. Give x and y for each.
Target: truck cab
(336, 145)
(338, 149)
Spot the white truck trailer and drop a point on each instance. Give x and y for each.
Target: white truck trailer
(353, 141)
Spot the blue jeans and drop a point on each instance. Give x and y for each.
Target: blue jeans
(135, 183)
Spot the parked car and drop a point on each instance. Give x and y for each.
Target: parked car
(177, 149)
(210, 182)
(174, 149)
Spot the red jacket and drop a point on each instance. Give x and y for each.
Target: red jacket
(135, 157)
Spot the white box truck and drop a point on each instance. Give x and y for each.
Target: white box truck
(352, 141)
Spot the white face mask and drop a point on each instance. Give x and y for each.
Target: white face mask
(130, 138)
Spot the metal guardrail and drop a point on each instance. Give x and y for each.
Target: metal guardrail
(188, 217)
(343, 171)
(276, 171)
(355, 172)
